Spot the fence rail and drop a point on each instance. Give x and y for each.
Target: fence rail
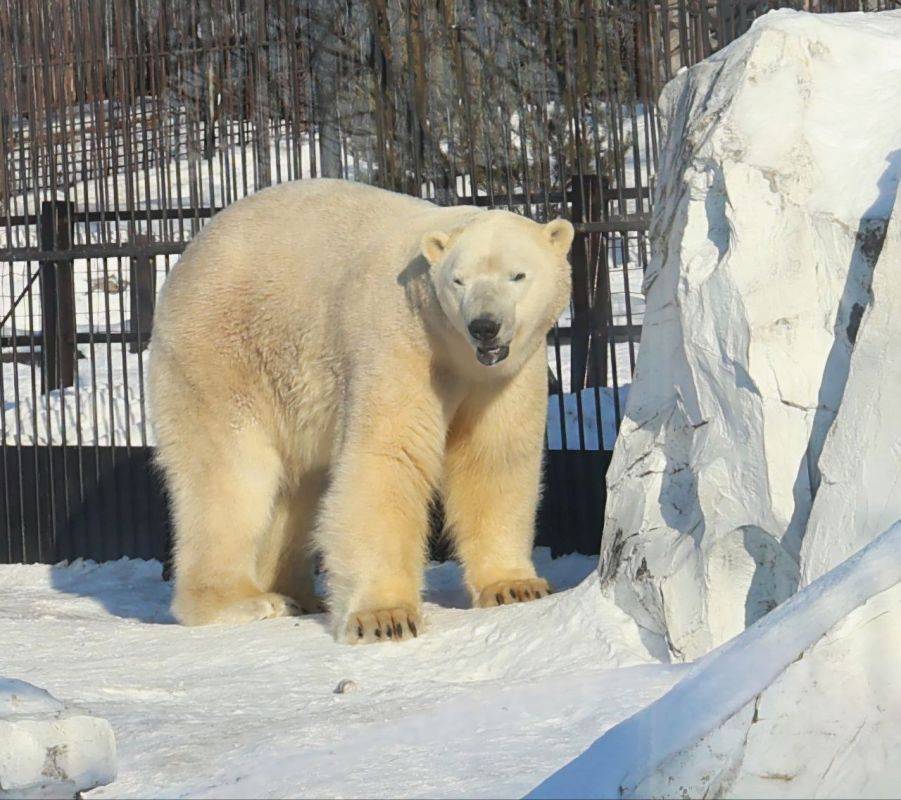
(126, 124)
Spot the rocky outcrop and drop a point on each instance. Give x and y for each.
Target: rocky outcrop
(778, 173)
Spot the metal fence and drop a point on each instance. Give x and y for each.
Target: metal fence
(126, 124)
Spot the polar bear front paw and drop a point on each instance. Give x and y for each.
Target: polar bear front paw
(503, 592)
(383, 625)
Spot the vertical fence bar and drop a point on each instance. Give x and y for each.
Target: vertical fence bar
(143, 300)
(578, 346)
(57, 298)
(599, 282)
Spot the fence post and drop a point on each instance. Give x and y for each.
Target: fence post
(578, 343)
(603, 302)
(143, 299)
(588, 365)
(57, 282)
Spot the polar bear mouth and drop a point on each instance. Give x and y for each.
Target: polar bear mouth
(489, 356)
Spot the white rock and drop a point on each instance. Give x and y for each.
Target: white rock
(780, 158)
(804, 703)
(860, 490)
(48, 749)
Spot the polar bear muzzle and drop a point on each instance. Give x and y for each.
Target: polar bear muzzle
(484, 331)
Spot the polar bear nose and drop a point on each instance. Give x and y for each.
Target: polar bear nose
(484, 329)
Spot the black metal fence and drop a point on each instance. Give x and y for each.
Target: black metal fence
(126, 124)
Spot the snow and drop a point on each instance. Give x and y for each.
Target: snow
(580, 413)
(779, 167)
(111, 413)
(49, 749)
(485, 703)
(750, 720)
(860, 492)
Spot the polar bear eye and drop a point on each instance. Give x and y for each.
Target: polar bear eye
(519, 276)
(458, 282)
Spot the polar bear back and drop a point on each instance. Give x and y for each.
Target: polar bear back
(308, 243)
(278, 298)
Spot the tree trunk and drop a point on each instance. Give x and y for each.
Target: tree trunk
(325, 90)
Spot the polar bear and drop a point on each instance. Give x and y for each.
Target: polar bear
(325, 357)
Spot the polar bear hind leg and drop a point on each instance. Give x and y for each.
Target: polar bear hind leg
(223, 504)
(286, 557)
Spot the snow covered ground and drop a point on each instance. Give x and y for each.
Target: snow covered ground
(560, 697)
(486, 703)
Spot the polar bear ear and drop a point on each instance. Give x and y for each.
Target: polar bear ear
(434, 246)
(560, 233)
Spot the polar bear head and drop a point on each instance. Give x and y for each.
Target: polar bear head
(501, 280)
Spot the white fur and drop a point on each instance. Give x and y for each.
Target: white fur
(313, 383)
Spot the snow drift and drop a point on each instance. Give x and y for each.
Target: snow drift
(805, 703)
(48, 749)
(779, 170)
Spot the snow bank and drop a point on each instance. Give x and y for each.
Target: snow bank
(780, 161)
(48, 749)
(106, 407)
(860, 467)
(752, 720)
(580, 414)
(102, 415)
